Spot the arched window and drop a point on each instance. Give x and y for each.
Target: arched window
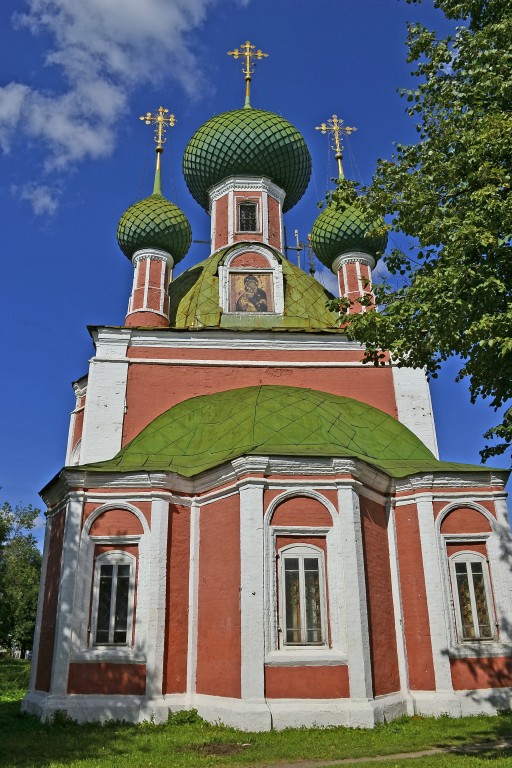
(472, 596)
(302, 596)
(113, 599)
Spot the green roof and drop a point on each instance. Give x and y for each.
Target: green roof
(337, 231)
(194, 300)
(206, 431)
(248, 142)
(154, 222)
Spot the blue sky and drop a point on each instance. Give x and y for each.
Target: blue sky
(75, 76)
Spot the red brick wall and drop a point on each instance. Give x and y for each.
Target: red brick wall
(218, 651)
(104, 678)
(414, 600)
(176, 620)
(465, 521)
(301, 510)
(307, 682)
(50, 599)
(379, 597)
(493, 672)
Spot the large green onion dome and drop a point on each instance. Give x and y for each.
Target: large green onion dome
(154, 222)
(337, 231)
(249, 142)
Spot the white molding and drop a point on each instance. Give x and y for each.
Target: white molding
(40, 602)
(115, 557)
(432, 572)
(306, 656)
(356, 609)
(224, 339)
(246, 184)
(153, 254)
(414, 404)
(193, 599)
(252, 635)
(352, 257)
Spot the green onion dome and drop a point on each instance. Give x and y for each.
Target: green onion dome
(154, 222)
(337, 231)
(249, 142)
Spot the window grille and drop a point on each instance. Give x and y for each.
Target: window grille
(248, 217)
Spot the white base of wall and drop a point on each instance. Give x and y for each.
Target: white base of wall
(262, 715)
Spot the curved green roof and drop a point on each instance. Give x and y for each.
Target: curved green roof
(203, 432)
(154, 222)
(249, 142)
(337, 231)
(194, 300)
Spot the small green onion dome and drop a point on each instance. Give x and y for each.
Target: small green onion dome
(154, 222)
(337, 231)
(249, 142)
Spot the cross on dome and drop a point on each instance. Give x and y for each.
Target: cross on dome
(336, 127)
(249, 53)
(160, 121)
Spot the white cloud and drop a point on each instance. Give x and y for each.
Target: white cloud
(43, 199)
(102, 50)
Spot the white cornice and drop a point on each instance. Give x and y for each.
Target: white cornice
(155, 254)
(245, 184)
(353, 257)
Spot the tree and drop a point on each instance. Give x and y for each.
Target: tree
(20, 567)
(451, 193)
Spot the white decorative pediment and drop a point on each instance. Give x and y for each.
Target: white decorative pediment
(251, 282)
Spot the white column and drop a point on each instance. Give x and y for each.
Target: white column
(157, 595)
(106, 393)
(499, 547)
(434, 592)
(357, 631)
(251, 592)
(66, 600)
(193, 598)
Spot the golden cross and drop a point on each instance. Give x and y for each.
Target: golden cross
(249, 53)
(161, 122)
(337, 128)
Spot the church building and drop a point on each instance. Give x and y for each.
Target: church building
(252, 522)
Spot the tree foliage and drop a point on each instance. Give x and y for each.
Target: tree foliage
(20, 567)
(451, 192)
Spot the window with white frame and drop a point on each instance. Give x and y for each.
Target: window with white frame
(302, 596)
(113, 598)
(472, 596)
(248, 217)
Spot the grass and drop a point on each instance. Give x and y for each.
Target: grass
(188, 741)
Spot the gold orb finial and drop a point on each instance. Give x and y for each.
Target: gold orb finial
(249, 54)
(337, 128)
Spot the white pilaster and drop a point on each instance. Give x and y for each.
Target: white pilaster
(66, 599)
(252, 592)
(357, 631)
(106, 392)
(499, 547)
(432, 571)
(156, 613)
(397, 602)
(193, 599)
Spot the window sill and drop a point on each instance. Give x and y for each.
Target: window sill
(480, 649)
(114, 655)
(308, 657)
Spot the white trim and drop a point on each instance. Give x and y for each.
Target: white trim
(252, 635)
(352, 257)
(301, 552)
(193, 598)
(224, 339)
(468, 557)
(246, 184)
(243, 363)
(257, 202)
(40, 603)
(231, 224)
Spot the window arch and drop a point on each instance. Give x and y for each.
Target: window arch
(472, 597)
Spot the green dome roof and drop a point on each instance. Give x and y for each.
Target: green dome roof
(205, 431)
(194, 301)
(338, 231)
(154, 222)
(249, 142)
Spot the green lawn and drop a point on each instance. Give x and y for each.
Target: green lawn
(187, 741)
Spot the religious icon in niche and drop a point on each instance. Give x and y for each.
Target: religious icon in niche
(251, 292)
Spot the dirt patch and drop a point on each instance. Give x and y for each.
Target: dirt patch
(213, 748)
